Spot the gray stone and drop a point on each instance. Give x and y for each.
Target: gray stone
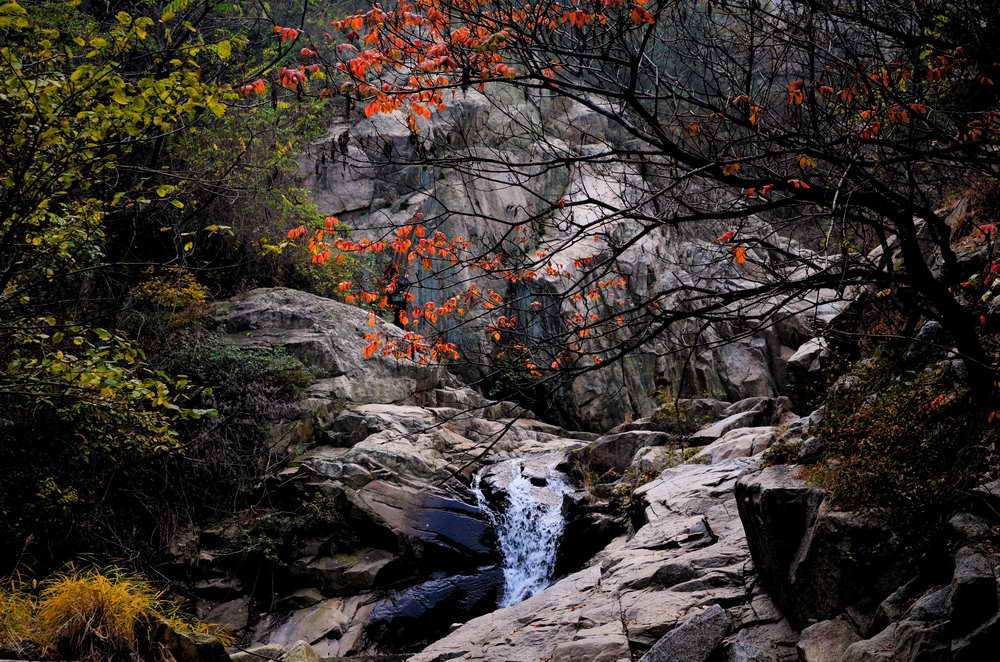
(300, 599)
(258, 653)
(826, 641)
(326, 335)
(692, 641)
(301, 651)
(975, 586)
(232, 615)
(614, 452)
(812, 450)
(740, 652)
(711, 432)
(816, 561)
(740, 442)
(808, 359)
(880, 648)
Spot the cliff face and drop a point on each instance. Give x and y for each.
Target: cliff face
(498, 160)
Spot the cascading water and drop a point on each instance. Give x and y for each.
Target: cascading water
(529, 529)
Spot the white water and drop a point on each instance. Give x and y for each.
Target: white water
(529, 529)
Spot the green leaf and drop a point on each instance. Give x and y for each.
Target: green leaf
(188, 246)
(218, 109)
(224, 49)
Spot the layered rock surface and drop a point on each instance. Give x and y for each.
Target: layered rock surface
(679, 544)
(380, 180)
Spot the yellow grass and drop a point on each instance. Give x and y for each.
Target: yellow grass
(92, 615)
(15, 616)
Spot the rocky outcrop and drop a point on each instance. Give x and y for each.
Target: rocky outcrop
(683, 547)
(370, 538)
(846, 579)
(815, 561)
(376, 179)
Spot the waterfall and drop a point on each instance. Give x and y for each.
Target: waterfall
(528, 529)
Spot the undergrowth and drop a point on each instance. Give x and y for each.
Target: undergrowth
(905, 440)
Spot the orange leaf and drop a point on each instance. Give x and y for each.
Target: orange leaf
(741, 254)
(640, 16)
(371, 319)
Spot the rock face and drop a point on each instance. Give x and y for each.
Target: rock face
(373, 540)
(423, 613)
(372, 185)
(815, 561)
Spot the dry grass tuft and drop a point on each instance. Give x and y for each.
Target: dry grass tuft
(16, 610)
(93, 615)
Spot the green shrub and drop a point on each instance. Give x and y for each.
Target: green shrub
(236, 373)
(782, 452)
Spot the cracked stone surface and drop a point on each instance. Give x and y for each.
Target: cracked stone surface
(688, 555)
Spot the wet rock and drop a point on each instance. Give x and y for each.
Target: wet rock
(439, 530)
(426, 611)
(687, 554)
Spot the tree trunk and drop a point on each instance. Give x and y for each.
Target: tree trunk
(955, 319)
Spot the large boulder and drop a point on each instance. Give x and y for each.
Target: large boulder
(815, 561)
(612, 454)
(826, 641)
(328, 337)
